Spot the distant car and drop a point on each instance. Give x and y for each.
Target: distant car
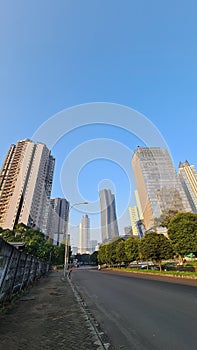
(142, 267)
(150, 267)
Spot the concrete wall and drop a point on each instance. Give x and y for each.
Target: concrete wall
(17, 270)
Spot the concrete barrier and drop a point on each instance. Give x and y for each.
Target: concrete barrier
(17, 270)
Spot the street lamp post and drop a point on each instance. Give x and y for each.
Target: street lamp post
(66, 253)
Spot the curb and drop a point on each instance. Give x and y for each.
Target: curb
(153, 274)
(92, 325)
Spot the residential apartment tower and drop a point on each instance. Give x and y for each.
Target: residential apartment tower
(25, 185)
(84, 235)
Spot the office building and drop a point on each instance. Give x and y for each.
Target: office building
(139, 208)
(134, 218)
(109, 226)
(25, 185)
(158, 186)
(58, 219)
(74, 250)
(93, 245)
(84, 235)
(128, 231)
(188, 177)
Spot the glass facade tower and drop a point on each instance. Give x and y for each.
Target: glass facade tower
(109, 226)
(188, 177)
(57, 222)
(158, 186)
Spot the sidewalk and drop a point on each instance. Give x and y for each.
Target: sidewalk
(47, 317)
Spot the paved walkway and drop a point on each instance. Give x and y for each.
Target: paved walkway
(48, 316)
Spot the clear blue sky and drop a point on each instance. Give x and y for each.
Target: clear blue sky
(55, 55)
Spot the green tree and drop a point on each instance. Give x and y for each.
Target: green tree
(107, 252)
(120, 252)
(102, 254)
(37, 245)
(164, 249)
(21, 228)
(156, 247)
(132, 249)
(9, 236)
(35, 241)
(147, 246)
(94, 258)
(182, 232)
(111, 251)
(165, 218)
(58, 254)
(83, 258)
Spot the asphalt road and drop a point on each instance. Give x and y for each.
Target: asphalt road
(141, 313)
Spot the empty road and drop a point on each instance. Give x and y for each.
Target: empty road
(138, 312)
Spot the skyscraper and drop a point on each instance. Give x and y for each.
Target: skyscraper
(57, 219)
(134, 218)
(158, 186)
(128, 231)
(109, 226)
(188, 177)
(84, 235)
(139, 208)
(25, 185)
(93, 245)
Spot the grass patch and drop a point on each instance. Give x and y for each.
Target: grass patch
(156, 272)
(191, 263)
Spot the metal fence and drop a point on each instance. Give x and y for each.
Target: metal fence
(17, 270)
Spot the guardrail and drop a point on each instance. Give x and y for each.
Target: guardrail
(17, 270)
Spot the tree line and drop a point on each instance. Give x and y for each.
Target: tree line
(36, 243)
(181, 240)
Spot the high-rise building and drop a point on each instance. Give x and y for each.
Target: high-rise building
(74, 250)
(139, 208)
(188, 177)
(134, 218)
(109, 226)
(84, 235)
(158, 186)
(128, 231)
(58, 219)
(93, 244)
(25, 185)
